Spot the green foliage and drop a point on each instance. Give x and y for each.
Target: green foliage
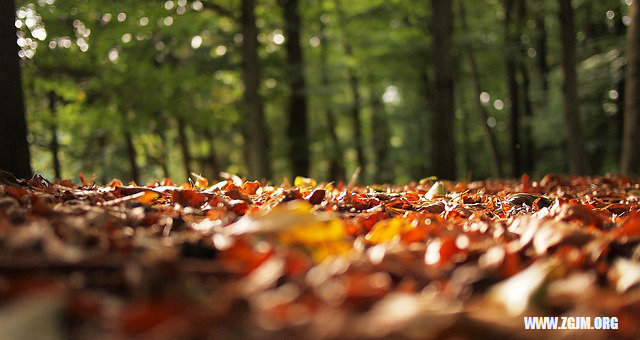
(118, 67)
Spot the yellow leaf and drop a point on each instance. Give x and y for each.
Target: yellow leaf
(428, 179)
(386, 230)
(305, 183)
(293, 223)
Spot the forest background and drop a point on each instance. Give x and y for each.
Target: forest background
(141, 90)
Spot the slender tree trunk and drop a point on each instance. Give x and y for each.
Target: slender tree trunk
(163, 159)
(356, 104)
(529, 145)
(467, 166)
(255, 128)
(442, 125)
(511, 43)
(297, 129)
(541, 47)
(134, 172)
(425, 164)
(54, 145)
(336, 162)
(571, 101)
(630, 156)
(184, 146)
(212, 161)
(14, 148)
(381, 136)
(489, 137)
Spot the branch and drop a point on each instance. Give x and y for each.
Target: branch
(221, 10)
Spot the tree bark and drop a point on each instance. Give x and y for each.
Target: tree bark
(256, 144)
(134, 172)
(511, 43)
(489, 137)
(356, 104)
(336, 162)
(211, 160)
(297, 129)
(528, 144)
(14, 147)
(630, 156)
(442, 125)
(54, 145)
(541, 45)
(184, 146)
(356, 99)
(381, 136)
(571, 102)
(164, 158)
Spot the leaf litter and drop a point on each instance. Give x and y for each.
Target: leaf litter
(245, 259)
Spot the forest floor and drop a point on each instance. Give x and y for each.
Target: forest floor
(241, 259)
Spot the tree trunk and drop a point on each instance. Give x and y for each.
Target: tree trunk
(297, 129)
(381, 136)
(489, 137)
(256, 143)
(336, 162)
(571, 102)
(211, 160)
(541, 45)
(630, 156)
(14, 148)
(529, 145)
(184, 146)
(54, 146)
(356, 104)
(163, 158)
(511, 43)
(134, 172)
(442, 125)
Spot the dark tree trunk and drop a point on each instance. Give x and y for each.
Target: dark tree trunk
(630, 154)
(541, 47)
(14, 148)
(54, 145)
(424, 166)
(381, 136)
(164, 158)
(356, 104)
(256, 143)
(184, 146)
(134, 172)
(443, 146)
(297, 129)
(467, 166)
(356, 100)
(336, 162)
(571, 101)
(489, 137)
(211, 161)
(511, 43)
(528, 145)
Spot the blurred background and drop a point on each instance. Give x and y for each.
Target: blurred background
(141, 90)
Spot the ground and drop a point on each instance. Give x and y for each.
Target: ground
(244, 259)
